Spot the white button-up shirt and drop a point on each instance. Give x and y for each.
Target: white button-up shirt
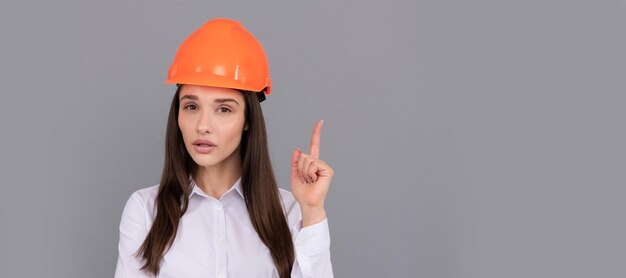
(216, 239)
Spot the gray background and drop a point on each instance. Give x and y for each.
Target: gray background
(469, 138)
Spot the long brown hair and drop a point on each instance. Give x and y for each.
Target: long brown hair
(257, 179)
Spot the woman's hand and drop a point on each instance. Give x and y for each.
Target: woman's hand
(310, 180)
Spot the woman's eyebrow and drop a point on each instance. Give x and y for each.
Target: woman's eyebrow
(218, 100)
(189, 97)
(222, 100)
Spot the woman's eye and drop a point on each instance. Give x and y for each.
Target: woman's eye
(227, 110)
(190, 105)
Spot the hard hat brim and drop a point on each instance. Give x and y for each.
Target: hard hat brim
(217, 81)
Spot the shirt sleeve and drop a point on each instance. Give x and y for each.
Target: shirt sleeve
(133, 231)
(312, 246)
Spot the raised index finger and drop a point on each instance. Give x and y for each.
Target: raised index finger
(315, 140)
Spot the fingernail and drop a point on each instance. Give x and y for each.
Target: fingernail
(322, 121)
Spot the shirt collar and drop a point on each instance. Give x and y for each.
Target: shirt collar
(197, 190)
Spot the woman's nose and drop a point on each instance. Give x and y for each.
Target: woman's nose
(203, 130)
(205, 124)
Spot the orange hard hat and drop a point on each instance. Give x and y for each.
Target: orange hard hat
(222, 53)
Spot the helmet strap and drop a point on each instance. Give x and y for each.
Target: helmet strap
(261, 95)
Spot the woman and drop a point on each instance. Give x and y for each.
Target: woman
(218, 211)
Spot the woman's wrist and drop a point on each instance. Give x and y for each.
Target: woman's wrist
(312, 215)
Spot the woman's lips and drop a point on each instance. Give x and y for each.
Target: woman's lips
(203, 149)
(203, 142)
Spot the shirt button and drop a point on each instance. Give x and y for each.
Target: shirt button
(220, 240)
(218, 209)
(220, 275)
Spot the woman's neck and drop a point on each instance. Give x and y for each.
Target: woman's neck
(215, 180)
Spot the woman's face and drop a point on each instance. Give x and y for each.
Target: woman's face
(214, 114)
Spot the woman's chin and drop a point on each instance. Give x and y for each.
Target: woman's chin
(204, 163)
(203, 160)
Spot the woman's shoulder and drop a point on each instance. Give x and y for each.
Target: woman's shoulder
(146, 193)
(142, 200)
